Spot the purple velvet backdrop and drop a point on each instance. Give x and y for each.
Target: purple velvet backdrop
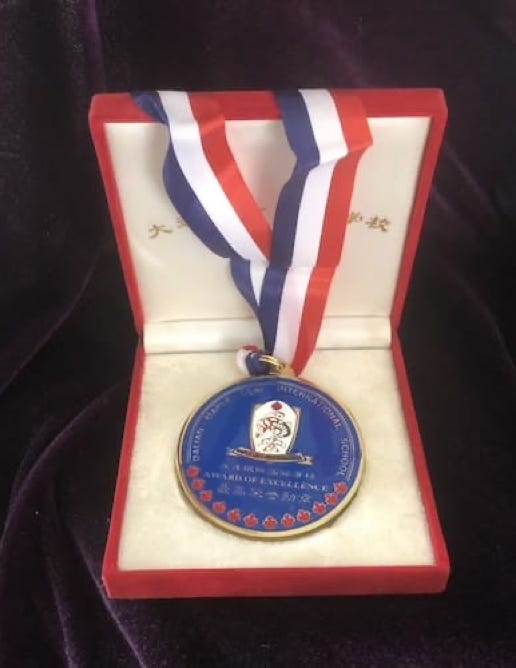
(67, 338)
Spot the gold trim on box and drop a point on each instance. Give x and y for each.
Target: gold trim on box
(155, 230)
(371, 222)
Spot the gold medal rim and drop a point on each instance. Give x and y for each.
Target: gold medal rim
(201, 510)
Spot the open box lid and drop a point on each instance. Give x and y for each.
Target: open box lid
(182, 295)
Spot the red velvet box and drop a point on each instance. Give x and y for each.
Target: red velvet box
(191, 319)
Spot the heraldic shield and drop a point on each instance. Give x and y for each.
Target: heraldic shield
(273, 429)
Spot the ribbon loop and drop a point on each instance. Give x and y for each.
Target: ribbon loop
(285, 275)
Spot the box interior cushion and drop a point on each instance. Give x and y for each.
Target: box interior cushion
(385, 524)
(180, 280)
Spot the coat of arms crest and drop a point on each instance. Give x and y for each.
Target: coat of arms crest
(273, 430)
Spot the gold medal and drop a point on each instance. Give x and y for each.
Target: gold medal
(270, 457)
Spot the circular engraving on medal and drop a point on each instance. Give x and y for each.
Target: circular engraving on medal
(270, 457)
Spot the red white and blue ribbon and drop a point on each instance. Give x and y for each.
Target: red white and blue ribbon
(285, 274)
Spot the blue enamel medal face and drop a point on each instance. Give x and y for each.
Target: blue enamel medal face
(270, 457)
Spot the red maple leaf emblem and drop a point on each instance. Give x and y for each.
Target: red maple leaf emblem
(219, 507)
(287, 520)
(277, 405)
(198, 484)
(303, 516)
(270, 522)
(206, 495)
(250, 520)
(193, 471)
(319, 508)
(234, 515)
(340, 487)
(331, 499)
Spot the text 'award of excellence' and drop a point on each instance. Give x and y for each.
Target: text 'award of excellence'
(271, 456)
